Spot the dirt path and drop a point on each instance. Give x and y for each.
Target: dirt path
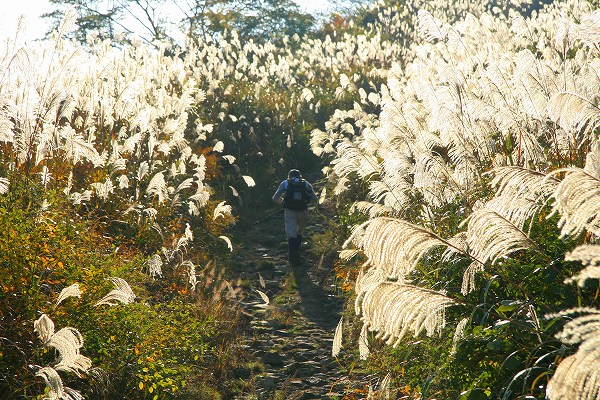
(291, 337)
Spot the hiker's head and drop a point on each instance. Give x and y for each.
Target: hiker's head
(294, 173)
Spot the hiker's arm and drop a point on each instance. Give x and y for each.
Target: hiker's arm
(278, 196)
(311, 193)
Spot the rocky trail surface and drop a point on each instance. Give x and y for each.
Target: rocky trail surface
(290, 338)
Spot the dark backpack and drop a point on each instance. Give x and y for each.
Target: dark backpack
(296, 196)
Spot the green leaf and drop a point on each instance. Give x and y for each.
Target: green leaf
(501, 324)
(508, 305)
(474, 394)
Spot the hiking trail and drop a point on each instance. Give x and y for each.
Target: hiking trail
(292, 336)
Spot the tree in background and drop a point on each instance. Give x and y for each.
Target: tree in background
(260, 20)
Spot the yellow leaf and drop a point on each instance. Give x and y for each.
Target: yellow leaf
(150, 389)
(141, 385)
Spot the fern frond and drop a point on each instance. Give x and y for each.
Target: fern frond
(122, 293)
(70, 291)
(578, 202)
(393, 310)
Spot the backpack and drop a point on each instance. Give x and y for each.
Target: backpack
(296, 196)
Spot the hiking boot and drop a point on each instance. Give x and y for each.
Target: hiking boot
(294, 250)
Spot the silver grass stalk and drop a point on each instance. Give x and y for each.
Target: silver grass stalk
(429, 27)
(578, 202)
(44, 327)
(122, 293)
(578, 376)
(519, 210)
(490, 236)
(56, 388)
(68, 341)
(363, 343)
(373, 210)
(158, 187)
(264, 298)
(249, 181)
(393, 310)
(592, 160)
(154, 264)
(458, 335)
(384, 386)
(70, 291)
(4, 185)
(513, 182)
(589, 255)
(222, 210)
(392, 245)
(228, 241)
(588, 31)
(337, 338)
(191, 272)
(573, 111)
(468, 282)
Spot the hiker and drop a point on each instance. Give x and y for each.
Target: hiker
(295, 194)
